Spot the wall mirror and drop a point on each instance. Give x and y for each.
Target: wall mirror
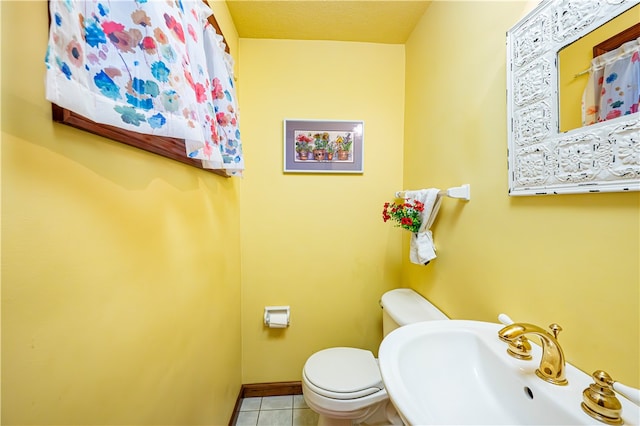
(602, 157)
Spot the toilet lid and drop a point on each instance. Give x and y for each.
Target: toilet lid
(344, 373)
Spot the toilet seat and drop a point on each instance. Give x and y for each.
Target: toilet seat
(343, 373)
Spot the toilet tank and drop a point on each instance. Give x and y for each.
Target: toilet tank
(404, 306)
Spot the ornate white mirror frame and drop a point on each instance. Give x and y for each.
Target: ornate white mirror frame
(603, 157)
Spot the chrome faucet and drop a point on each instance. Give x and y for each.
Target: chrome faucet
(552, 364)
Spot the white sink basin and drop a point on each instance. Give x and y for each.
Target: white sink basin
(458, 372)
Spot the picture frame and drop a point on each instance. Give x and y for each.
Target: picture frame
(323, 146)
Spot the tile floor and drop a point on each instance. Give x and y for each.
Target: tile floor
(287, 410)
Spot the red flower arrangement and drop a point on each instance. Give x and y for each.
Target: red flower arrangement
(407, 215)
(303, 142)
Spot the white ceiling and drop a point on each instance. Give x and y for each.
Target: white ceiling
(375, 21)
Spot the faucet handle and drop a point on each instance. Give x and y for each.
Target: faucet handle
(555, 329)
(519, 348)
(600, 402)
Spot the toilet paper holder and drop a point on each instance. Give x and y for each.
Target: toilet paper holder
(277, 316)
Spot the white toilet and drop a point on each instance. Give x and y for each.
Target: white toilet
(344, 386)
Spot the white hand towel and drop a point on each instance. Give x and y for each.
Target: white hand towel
(422, 249)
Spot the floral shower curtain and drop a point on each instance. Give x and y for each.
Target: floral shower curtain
(153, 67)
(613, 88)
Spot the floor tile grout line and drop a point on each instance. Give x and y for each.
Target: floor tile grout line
(301, 407)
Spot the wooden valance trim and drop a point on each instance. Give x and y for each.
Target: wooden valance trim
(172, 148)
(631, 33)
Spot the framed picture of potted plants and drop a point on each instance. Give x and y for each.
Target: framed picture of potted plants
(322, 146)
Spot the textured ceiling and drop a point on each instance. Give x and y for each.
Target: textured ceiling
(375, 21)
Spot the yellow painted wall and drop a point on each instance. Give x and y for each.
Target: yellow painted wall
(317, 242)
(133, 287)
(120, 269)
(570, 259)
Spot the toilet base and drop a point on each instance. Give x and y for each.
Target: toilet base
(328, 421)
(385, 414)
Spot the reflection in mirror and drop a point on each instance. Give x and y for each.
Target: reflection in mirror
(575, 59)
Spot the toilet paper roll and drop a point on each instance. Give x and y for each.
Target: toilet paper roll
(278, 320)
